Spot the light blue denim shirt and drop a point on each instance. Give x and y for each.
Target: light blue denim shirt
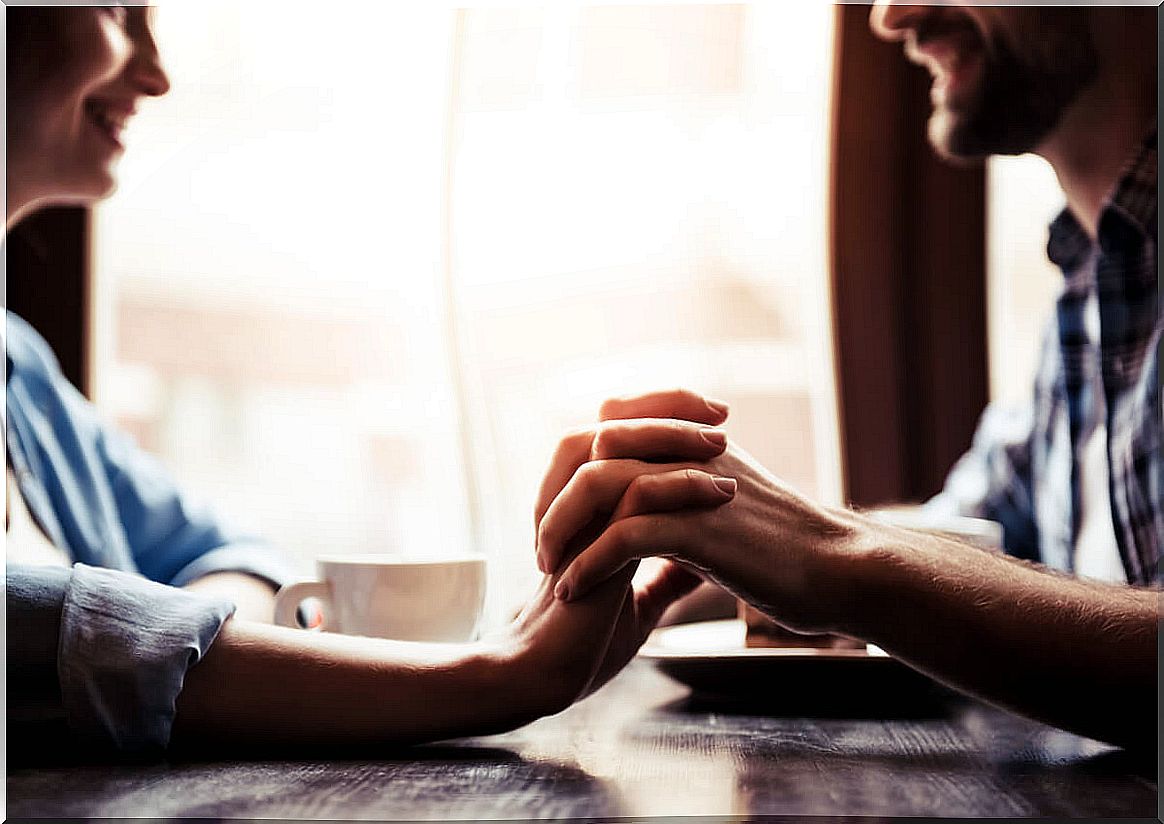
(104, 646)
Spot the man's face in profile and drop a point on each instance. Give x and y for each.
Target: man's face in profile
(1002, 77)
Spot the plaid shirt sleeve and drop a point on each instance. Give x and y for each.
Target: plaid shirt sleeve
(994, 480)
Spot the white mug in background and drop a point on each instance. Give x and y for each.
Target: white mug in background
(397, 597)
(976, 531)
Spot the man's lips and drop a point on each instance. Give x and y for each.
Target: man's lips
(943, 48)
(949, 57)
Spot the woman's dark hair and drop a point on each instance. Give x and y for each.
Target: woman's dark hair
(31, 39)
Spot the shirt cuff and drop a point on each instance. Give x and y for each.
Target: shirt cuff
(253, 558)
(125, 645)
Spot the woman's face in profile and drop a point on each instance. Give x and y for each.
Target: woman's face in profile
(76, 75)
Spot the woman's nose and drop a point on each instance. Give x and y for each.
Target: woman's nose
(890, 20)
(145, 69)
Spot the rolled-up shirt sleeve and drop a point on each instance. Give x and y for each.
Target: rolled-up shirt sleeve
(120, 646)
(34, 599)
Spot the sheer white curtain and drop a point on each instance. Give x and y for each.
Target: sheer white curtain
(367, 265)
(270, 274)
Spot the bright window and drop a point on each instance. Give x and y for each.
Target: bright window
(365, 268)
(1023, 199)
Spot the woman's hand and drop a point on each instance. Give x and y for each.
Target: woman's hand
(576, 647)
(768, 545)
(572, 649)
(549, 655)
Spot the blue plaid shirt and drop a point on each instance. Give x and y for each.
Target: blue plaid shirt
(1023, 467)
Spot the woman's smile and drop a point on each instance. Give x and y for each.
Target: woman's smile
(109, 119)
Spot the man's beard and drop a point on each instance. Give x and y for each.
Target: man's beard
(1017, 102)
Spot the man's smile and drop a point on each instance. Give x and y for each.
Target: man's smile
(951, 51)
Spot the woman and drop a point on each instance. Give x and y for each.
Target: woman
(144, 642)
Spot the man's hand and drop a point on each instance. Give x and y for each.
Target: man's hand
(671, 425)
(768, 544)
(1074, 653)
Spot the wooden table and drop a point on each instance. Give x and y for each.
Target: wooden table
(642, 747)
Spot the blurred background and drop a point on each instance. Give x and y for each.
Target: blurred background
(368, 264)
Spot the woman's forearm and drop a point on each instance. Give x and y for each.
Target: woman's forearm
(261, 685)
(264, 685)
(253, 597)
(1077, 654)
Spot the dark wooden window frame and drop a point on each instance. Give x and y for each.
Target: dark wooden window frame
(908, 259)
(47, 276)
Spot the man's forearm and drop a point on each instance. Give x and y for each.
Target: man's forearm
(263, 685)
(1077, 654)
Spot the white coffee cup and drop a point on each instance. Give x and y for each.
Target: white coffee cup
(387, 596)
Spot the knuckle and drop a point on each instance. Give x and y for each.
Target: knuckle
(637, 492)
(626, 535)
(589, 476)
(545, 532)
(604, 442)
(576, 440)
(611, 407)
(683, 393)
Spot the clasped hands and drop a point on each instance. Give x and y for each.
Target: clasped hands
(656, 477)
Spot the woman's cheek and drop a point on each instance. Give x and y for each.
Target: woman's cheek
(94, 51)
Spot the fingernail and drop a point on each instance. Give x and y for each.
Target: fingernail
(718, 407)
(725, 485)
(562, 591)
(714, 437)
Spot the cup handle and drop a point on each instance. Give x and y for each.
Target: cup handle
(290, 597)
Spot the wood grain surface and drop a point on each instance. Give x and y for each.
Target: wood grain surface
(642, 747)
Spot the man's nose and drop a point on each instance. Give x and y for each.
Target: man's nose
(891, 20)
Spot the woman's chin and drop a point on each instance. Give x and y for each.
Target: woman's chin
(101, 187)
(84, 192)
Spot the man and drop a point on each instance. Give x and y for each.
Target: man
(1077, 482)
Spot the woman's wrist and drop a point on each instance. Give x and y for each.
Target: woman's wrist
(254, 597)
(513, 688)
(493, 702)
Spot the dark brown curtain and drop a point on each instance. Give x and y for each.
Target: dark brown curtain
(907, 236)
(47, 271)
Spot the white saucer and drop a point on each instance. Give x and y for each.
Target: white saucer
(712, 658)
(725, 640)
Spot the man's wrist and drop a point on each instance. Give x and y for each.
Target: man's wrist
(873, 570)
(893, 572)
